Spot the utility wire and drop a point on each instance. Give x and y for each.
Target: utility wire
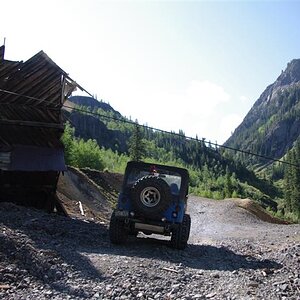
(184, 136)
(203, 140)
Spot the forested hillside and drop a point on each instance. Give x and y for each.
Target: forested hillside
(272, 129)
(273, 124)
(212, 174)
(108, 133)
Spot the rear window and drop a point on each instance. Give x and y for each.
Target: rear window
(173, 179)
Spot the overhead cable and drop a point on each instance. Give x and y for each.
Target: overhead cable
(203, 140)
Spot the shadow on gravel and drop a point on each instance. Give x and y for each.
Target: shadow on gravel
(44, 248)
(205, 257)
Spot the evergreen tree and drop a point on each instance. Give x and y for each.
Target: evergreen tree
(292, 181)
(137, 147)
(228, 184)
(68, 141)
(295, 200)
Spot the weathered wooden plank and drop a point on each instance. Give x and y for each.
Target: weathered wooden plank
(32, 124)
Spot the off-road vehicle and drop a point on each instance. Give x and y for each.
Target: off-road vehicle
(153, 200)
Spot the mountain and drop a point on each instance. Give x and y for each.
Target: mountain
(272, 125)
(89, 126)
(93, 104)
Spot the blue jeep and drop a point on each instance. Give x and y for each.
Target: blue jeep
(153, 200)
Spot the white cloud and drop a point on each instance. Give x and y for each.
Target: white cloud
(207, 94)
(195, 109)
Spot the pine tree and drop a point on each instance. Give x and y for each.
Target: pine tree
(137, 147)
(228, 184)
(292, 181)
(295, 199)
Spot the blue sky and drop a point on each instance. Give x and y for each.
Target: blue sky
(198, 66)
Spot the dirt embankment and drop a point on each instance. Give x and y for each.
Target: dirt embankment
(254, 208)
(218, 220)
(88, 193)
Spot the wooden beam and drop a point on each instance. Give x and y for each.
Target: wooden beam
(32, 124)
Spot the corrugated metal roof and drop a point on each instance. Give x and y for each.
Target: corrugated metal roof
(31, 97)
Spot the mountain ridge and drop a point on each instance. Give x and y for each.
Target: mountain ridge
(88, 126)
(273, 123)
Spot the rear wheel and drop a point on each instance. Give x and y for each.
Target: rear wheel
(181, 234)
(117, 231)
(151, 196)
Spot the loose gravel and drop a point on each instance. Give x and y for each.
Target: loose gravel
(231, 255)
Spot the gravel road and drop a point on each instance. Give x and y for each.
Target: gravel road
(231, 255)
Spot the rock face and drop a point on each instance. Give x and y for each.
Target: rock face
(290, 75)
(273, 123)
(88, 126)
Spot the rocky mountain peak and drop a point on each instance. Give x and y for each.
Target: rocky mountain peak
(290, 75)
(273, 124)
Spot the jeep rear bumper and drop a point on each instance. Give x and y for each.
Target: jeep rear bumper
(149, 228)
(134, 224)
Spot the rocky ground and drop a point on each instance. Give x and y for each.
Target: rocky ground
(231, 255)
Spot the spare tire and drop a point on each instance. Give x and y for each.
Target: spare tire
(151, 196)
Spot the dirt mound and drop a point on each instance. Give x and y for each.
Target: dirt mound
(219, 220)
(83, 198)
(111, 183)
(254, 208)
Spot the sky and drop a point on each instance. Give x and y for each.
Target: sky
(196, 66)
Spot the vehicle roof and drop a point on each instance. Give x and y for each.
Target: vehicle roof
(139, 164)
